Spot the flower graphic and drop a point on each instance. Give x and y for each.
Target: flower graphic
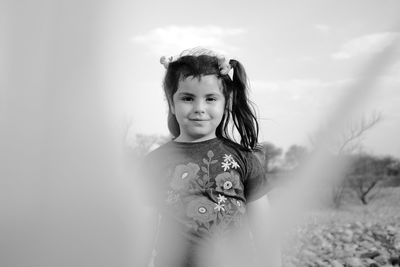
(201, 209)
(235, 165)
(228, 158)
(227, 183)
(225, 165)
(229, 162)
(221, 198)
(219, 207)
(183, 174)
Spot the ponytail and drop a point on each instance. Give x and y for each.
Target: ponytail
(243, 113)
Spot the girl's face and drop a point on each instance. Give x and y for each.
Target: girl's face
(198, 106)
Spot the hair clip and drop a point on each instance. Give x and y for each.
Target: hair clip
(165, 61)
(224, 66)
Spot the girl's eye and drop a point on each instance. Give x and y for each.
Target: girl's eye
(187, 98)
(211, 99)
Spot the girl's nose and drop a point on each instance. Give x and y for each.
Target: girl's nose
(199, 107)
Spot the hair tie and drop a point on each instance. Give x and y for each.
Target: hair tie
(233, 63)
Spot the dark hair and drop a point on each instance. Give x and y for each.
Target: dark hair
(238, 107)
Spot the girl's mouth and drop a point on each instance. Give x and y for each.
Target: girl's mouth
(198, 122)
(198, 119)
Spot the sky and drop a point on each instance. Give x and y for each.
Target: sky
(301, 57)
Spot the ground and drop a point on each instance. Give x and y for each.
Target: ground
(353, 235)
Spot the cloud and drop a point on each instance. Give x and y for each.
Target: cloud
(322, 28)
(367, 44)
(172, 39)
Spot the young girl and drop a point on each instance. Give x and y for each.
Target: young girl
(203, 183)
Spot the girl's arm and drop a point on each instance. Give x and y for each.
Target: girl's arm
(265, 235)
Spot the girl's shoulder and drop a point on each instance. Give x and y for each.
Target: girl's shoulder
(239, 149)
(248, 157)
(160, 151)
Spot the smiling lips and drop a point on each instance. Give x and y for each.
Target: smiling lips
(198, 122)
(198, 119)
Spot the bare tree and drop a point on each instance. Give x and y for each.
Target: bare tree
(350, 140)
(346, 143)
(366, 172)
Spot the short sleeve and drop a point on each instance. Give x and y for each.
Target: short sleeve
(256, 183)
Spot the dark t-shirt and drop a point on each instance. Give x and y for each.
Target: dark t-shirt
(201, 190)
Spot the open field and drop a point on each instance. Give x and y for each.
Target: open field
(353, 235)
(384, 208)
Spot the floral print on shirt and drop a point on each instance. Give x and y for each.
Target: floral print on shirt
(183, 175)
(207, 196)
(228, 183)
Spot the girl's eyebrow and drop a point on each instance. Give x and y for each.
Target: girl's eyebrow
(213, 94)
(185, 93)
(190, 94)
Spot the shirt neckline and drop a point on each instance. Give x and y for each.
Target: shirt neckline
(209, 141)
